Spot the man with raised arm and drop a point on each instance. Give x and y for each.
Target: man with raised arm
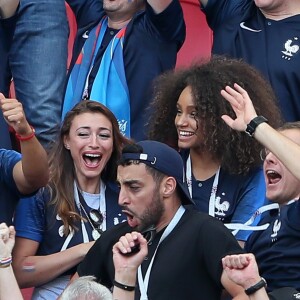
(266, 34)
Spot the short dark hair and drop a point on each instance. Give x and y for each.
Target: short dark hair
(289, 125)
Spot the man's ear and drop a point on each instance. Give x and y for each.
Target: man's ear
(168, 185)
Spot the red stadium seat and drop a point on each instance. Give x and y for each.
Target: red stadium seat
(198, 35)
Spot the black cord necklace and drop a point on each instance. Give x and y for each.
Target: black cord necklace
(94, 217)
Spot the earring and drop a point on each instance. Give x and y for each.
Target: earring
(67, 147)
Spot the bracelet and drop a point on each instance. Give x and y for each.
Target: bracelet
(124, 287)
(254, 288)
(26, 138)
(251, 127)
(5, 262)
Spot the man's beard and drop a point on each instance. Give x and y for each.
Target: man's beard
(152, 214)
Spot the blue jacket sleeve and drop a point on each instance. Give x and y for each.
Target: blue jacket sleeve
(86, 11)
(169, 24)
(219, 11)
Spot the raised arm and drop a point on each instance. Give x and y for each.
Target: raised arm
(31, 172)
(242, 270)
(9, 288)
(282, 147)
(126, 264)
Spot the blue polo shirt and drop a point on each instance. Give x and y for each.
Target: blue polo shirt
(150, 48)
(277, 249)
(36, 219)
(273, 47)
(9, 194)
(238, 197)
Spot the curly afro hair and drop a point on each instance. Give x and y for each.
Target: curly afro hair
(235, 150)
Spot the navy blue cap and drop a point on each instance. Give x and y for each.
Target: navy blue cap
(165, 160)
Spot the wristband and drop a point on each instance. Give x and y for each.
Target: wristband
(26, 138)
(251, 127)
(254, 288)
(124, 287)
(5, 262)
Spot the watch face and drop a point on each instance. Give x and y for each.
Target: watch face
(254, 288)
(251, 127)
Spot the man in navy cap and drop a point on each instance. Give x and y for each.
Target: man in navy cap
(185, 252)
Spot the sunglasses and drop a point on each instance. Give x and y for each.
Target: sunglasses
(96, 218)
(149, 234)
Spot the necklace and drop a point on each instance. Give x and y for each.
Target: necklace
(96, 232)
(95, 218)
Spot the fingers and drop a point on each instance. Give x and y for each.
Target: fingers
(4, 232)
(126, 242)
(236, 261)
(14, 115)
(12, 232)
(228, 120)
(12, 110)
(235, 97)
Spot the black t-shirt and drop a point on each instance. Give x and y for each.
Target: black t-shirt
(187, 264)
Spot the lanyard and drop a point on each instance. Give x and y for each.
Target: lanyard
(236, 227)
(77, 201)
(213, 193)
(143, 283)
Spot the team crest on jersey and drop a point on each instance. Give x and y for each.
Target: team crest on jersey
(221, 207)
(291, 47)
(276, 228)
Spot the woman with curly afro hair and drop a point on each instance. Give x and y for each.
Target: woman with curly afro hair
(223, 167)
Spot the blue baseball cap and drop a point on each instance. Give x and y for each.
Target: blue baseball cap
(164, 159)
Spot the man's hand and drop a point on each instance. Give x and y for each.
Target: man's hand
(241, 269)
(241, 105)
(125, 262)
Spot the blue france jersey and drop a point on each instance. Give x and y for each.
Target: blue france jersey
(237, 198)
(36, 219)
(277, 249)
(273, 47)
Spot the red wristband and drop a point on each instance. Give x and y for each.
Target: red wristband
(26, 138)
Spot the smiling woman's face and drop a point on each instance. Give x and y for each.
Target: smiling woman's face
(186, 121)
(90, 142)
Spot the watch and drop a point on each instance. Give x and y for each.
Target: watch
(254, 288)
(254, 123)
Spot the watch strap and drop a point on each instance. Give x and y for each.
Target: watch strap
(254, 288)
(251, 127)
